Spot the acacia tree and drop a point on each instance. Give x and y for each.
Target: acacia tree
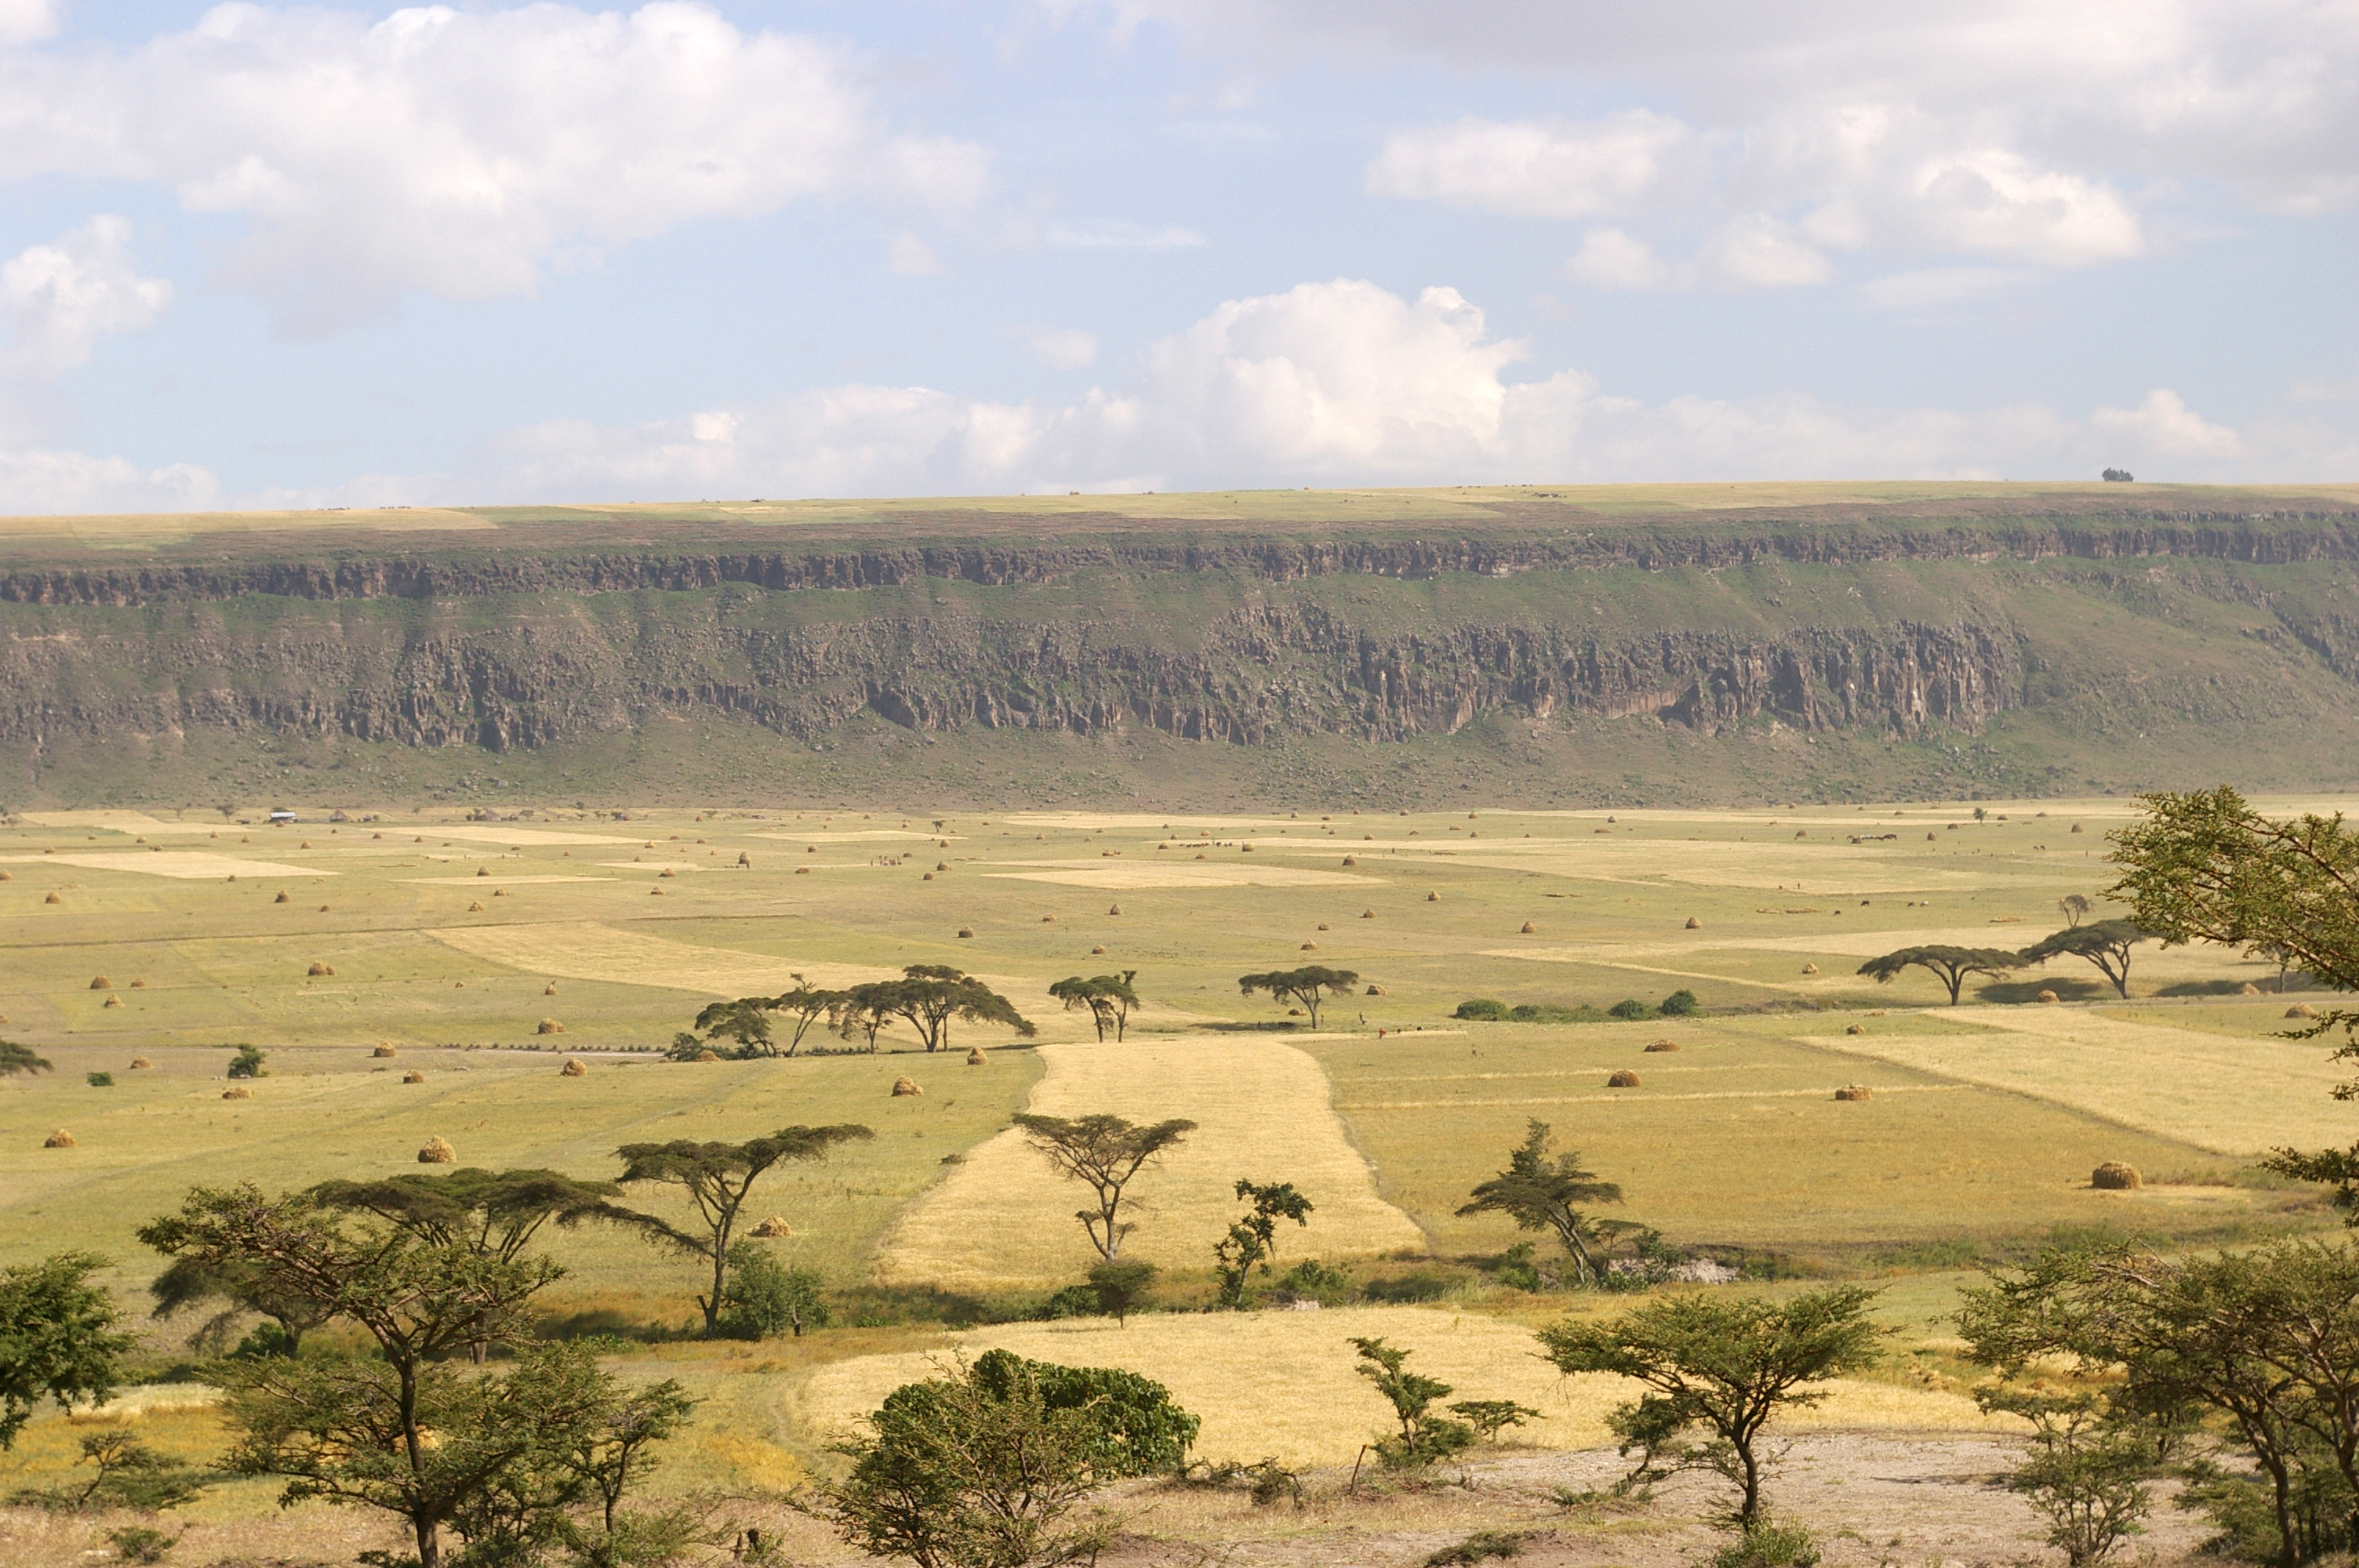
(1723, 1366)
(187, 1282)
(805, 1005)
(868, 1009)
(1950, 965)
(1251, 1240)
(717, 1177)
(59, 1338)
(1307, 986)
(1109, 1000)
(1103, 1153)
(2105, 943)
(17, 1059)
(746, 1021)
(930, 995)
(1543, 1192)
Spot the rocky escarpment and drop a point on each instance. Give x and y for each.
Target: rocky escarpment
(1858, 624)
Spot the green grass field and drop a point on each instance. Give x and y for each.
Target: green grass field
(453, 940)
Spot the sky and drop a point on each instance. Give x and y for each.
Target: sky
(283, 256)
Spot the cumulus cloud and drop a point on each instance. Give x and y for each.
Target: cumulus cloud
(35, 481)
(1345, 382)
(1545, 168)
(28, 21)
(1062, 348)
(59, 298)
(1608, 258)
(455, 152)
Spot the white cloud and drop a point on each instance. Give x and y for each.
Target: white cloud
(1120, 236)
(59, 298)
(1608, 258)
(1931, 287)
(37, 480)
(1542, 168)
(1996, 203)
(912, 257)
(455, 152)
(1757, 250)
(28, 21)
(1344, 383)
(1062, 348)
(2164, 426)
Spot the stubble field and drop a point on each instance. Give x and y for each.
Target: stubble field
(453, 942)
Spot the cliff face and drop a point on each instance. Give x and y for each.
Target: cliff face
(1873, 629)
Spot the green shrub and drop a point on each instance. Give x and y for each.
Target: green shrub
(1485, 1009)
(1479, 1547)
(1768, 1545)
(1074, 1301)
(1421, 1285)
(100, 1080)
(1515, 1267)
(137, 1543)
(763, 1298)
(1680, 1003)
(1424, 1438)
(1629, 1008)
(1120, 1286)
(247, 1063)
(1313, 1281)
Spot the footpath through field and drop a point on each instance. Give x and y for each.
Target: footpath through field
(1001, 1219)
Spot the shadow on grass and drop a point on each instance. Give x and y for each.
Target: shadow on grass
(2067, 988)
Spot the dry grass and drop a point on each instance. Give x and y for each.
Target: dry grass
(585, 951)
(2222, 1095)
(183, 865)
(1137, 874)
(1282, 1384)
(1002, 1220)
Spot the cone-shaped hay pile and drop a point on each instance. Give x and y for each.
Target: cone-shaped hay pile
(114, 1001)
(1810, 969)
(1434, 898)
(548, 990)
(476, 907)
(140, 1063)
(101, 983)
(2301, 1010)
(282, 898)
(2047, 996)
(1623, 1079)
(575, 1068)
(1854, 1028)
(53, 899)
(2115, 1176)
(60, 1139)
(966, 931)
(1529, 929)
(324, 970)
(1852, 1091)
(1663, 1046)
(1374, 990)
(1694, 923)
(437, 1151)
(413, 1077)
(975, 1058)
(237, 1094)
(906, 1086)
(548, 1026)
(386, 1051)
(773, 1226)
(708, 1054)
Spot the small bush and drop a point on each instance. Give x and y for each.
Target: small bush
(247, 1063)
(1680, 1003)
(1420, 1285)
(100, 1080)
(1120, 1287)
(1770, 1544)
(1074, 1301)
(137, 1543)
(1479, 1547)
(1485, 1009)
(1515, 1267)
(1630, 1007)
(764, 1298)
(1312, 1280)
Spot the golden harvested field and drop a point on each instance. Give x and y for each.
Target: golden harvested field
(1222, 1366)
(585, 951)
(1000, 1218)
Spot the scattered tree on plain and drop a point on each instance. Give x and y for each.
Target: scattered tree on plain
(125, 1474)
(2075, 907)
(247, 1063)
(1540, 1191)
(1307, 987)
(867, 1011)
(1104, 1153)
(2105, 943)
(1424, 1438)
(764, 1298)
(61, 1338)
(1109, 1000)
(242, 1291)
(1722, 1367)
(746, 1021)
(1949, 965)
(1251, 1240)
(717, 1177)
(930, 995)
(1120, 1285)
(806, 1006)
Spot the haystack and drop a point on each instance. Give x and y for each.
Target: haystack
(237, 1094)
(1311, 947)
(482, 870)
(548, 990)
(1529, 930)
(1434, 898)
(139, 985)
(1810, 969)
(966, 931)
(802, 871)
(1852, 1091)
(282, 898)
(2301, 1010)
(548, 1026)
(476, 907)
(926, 878)
(1114, 909)
(1856, 1029)
(413, 1077)
(1097, 952)
(140, 1063)
(101, 983)
(2115, 1176)
(53, 899)
(1694, 923)
(1623, 1078)
(60, 1139)
(1663, 1046)
(2047, 996)
(975, 1058)
(2076, 827)
(667, 872)
(1351, 861)
(437, 1151)
(386, 1052)
(773, 1226)
(575, 1068)
(906, 1086)
(708, 1054)
(1368, 914)
(2250, 989)
(114, 1001)
(1374, 990)
(324, 970)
